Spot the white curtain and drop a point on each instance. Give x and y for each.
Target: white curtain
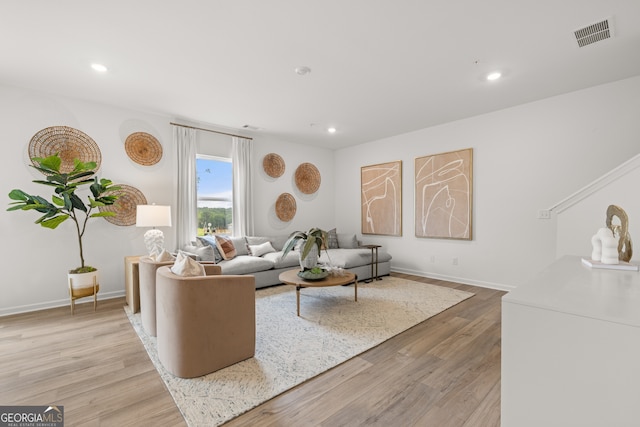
(242, 187)
(184, 140)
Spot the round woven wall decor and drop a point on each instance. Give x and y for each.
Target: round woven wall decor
(286, 207)
(143, 148)
(307, 178)
(273, 165)
(70, 143)
(126, 205)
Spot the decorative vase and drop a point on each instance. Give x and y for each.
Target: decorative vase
(311, 260)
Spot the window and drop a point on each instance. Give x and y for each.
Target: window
(214, 180)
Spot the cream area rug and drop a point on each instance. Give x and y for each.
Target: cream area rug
(290, 349)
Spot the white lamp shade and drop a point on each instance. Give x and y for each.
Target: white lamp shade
(153, 216)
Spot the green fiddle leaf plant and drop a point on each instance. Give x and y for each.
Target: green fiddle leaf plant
(65, 203)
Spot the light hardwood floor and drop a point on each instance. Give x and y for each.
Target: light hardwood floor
(442, 372)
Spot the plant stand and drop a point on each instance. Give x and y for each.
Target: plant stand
(76, 290)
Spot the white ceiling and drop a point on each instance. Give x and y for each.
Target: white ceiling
(379, 68)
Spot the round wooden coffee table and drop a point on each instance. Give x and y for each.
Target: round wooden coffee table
(290, 277)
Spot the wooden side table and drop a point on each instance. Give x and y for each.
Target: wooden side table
(374, 262)
(132, 282)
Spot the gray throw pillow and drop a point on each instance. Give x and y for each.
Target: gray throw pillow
(347, 241)
(203, 253)
(211, 241)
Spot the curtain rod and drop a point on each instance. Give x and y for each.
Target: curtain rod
(209, 130)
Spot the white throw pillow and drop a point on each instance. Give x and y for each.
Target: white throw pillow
(165, 256)
(261, 249)
(187, 267)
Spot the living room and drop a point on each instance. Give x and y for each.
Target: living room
(522, 158)
(527, 158)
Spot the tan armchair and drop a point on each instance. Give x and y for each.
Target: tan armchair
(147, 278)
(204, 323)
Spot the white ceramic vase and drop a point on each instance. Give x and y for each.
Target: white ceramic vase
(311, 260)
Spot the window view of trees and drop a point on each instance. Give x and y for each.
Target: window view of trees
(215, 195)
(214, 220)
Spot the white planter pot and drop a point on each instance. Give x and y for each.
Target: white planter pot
(83, 285)
(311, 260)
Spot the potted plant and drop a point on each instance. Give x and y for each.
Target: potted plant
(66, 204)
(310, 251)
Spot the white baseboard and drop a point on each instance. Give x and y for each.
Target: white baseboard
(489, 285)
(53, 304)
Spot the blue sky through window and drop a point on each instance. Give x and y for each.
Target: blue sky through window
(215, 181)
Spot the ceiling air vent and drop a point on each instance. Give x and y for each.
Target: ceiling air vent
(593, 33)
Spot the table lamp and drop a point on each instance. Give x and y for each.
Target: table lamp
(153, 216)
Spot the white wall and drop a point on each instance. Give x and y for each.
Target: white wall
(581, 220)
(312, 210)
(525, 159)
(35, 260)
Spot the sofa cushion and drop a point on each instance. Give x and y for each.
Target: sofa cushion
(276, 241)
(202, 253)
(292, 259)
(245, 264)
(240, 243)
(332, 237)
(211, 241)
(256, 240)
(347, 241)
(349, 258)
(226, 247)
(261, 249)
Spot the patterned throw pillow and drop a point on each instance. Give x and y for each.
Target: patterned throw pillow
(225, 247)
(332, 236)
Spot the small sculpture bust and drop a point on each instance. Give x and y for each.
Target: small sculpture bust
(605, 247)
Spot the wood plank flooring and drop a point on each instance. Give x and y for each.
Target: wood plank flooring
(442, 372)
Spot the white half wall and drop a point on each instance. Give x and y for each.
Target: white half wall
(526, 158)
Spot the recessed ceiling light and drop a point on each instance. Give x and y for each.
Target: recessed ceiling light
(494, 76)
(302, 71)
(331, 130)
(99, 68)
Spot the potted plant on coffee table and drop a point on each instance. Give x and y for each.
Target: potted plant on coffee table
(311, 246)
(66, 204)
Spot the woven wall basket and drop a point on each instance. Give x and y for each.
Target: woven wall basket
(286, 207)
(143, 148)
(273, 165)
(126, 205)
(307, 178)
(70, 143)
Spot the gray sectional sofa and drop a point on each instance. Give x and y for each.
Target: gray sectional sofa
(267, 267)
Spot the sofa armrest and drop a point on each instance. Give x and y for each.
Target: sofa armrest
(211, 268)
